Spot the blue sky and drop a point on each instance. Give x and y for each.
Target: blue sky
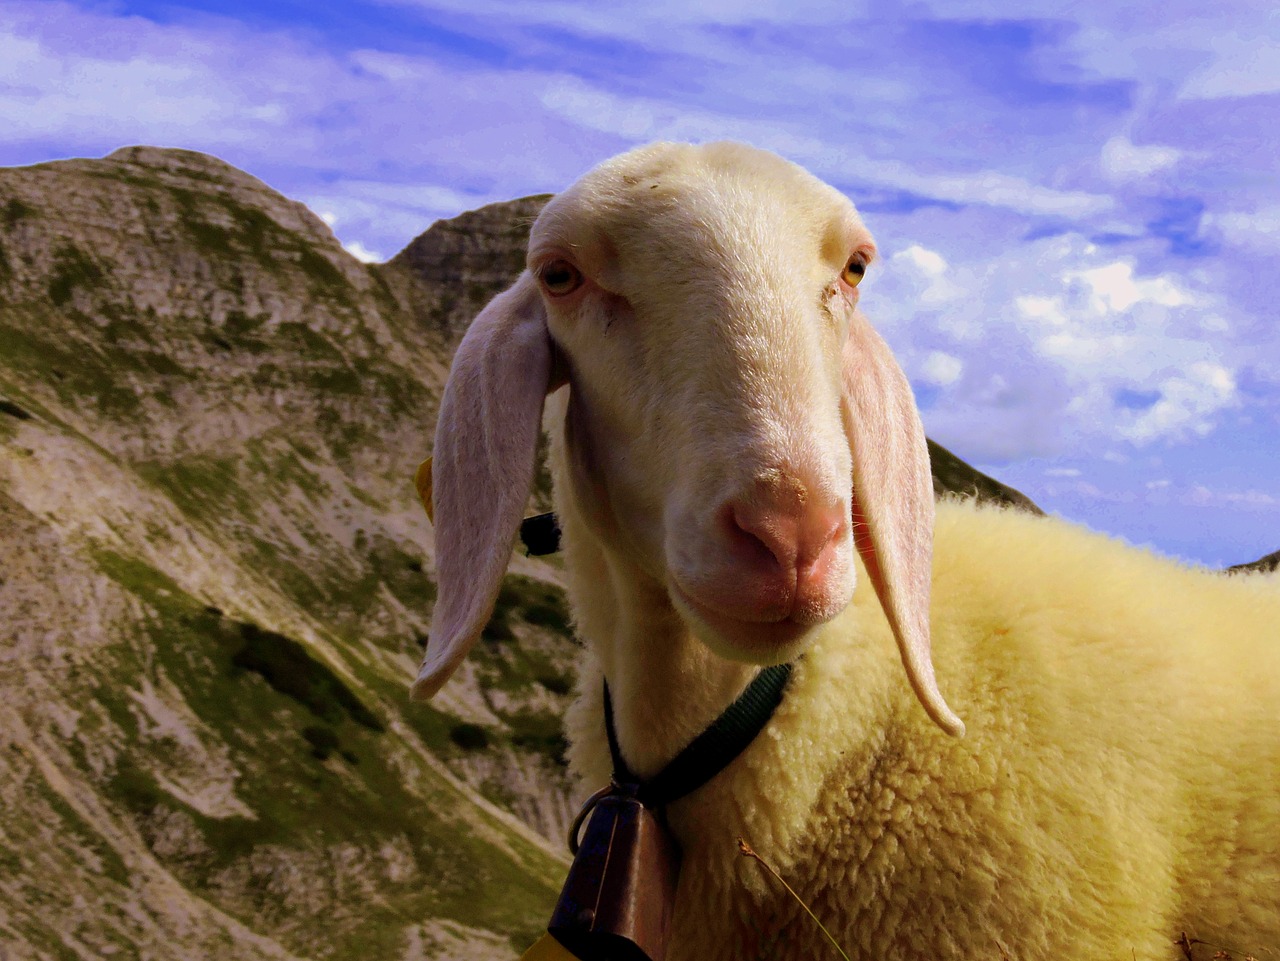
(1078, 204)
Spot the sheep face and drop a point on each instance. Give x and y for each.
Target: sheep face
(734, 426)
(698, 302)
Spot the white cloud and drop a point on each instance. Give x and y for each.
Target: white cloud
(1041, 308)
(1073, 487)
(425, 198)
(1256, 500)
(925, 271)
(1243, 67)
(987, 187)
(368, 211)
(1188, 406)
(360, 252)
(1062, 472)
(638, 119)
(928, 262)
(1256, 229)
(1165, 492)
(148, 82)
(1123, 160)
(1064, 349)
(1115, 288)
(941, 369)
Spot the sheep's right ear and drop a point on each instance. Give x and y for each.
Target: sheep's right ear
(483, 466)
(893, 503)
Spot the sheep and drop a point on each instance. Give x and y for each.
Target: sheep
(741, 478)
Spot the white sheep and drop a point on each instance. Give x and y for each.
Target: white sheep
(1120, 783)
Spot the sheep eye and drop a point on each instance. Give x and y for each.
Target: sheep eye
(560, 277)
(853, 272)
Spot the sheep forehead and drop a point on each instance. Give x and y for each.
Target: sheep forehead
(677, 211)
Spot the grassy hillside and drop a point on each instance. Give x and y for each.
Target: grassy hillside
(216, 587)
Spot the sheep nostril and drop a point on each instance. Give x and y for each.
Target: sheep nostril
(757, 537)
(797, 537)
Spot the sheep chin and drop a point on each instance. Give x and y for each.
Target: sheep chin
(749, 642)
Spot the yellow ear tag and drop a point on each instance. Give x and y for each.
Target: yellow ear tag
(422, 481)
(547, 948)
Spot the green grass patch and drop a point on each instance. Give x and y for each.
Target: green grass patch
(285, 665)
(309, 343)
(326, 279)
(203, 486)
(539, 732)
(348, 597)
(222, 226)
(512, 666)
(13, 410)
(74, 825)
(138, 792)
(80, 364)
(469, 737)
(14, 211)
(240, 325)
(402, 572)
(323, 740)
(342, 381)
(72, 268)
(533, 601)
(136, 789)
(276, 466)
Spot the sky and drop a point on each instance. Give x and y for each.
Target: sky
(1077, 204)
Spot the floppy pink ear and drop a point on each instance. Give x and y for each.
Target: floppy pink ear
(893, 503)
(483, 464)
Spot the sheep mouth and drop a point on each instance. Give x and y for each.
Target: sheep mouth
(763, 642)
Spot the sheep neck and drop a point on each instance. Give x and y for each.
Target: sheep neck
(667, 686)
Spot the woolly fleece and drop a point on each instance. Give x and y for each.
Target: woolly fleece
(1118, 784)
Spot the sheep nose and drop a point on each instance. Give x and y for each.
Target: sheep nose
(798, 538)
(792, 541)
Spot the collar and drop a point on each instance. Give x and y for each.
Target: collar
(711, 751)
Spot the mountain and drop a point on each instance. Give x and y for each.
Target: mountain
(216, 586)
(1271, 562)
(457, 265)
(215, 591)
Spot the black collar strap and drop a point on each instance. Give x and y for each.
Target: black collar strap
(711, 751)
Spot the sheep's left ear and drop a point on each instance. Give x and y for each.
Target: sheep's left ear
(482, 468)
(893, 503)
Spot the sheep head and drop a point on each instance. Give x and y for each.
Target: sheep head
(734, 424)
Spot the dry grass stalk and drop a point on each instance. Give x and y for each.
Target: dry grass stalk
(1220, 953)
(746, 851)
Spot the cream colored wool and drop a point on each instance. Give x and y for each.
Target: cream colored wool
(717, 401)
(1119, 783)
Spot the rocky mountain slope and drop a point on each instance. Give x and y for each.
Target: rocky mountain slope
(215, 589)
(215, 585)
